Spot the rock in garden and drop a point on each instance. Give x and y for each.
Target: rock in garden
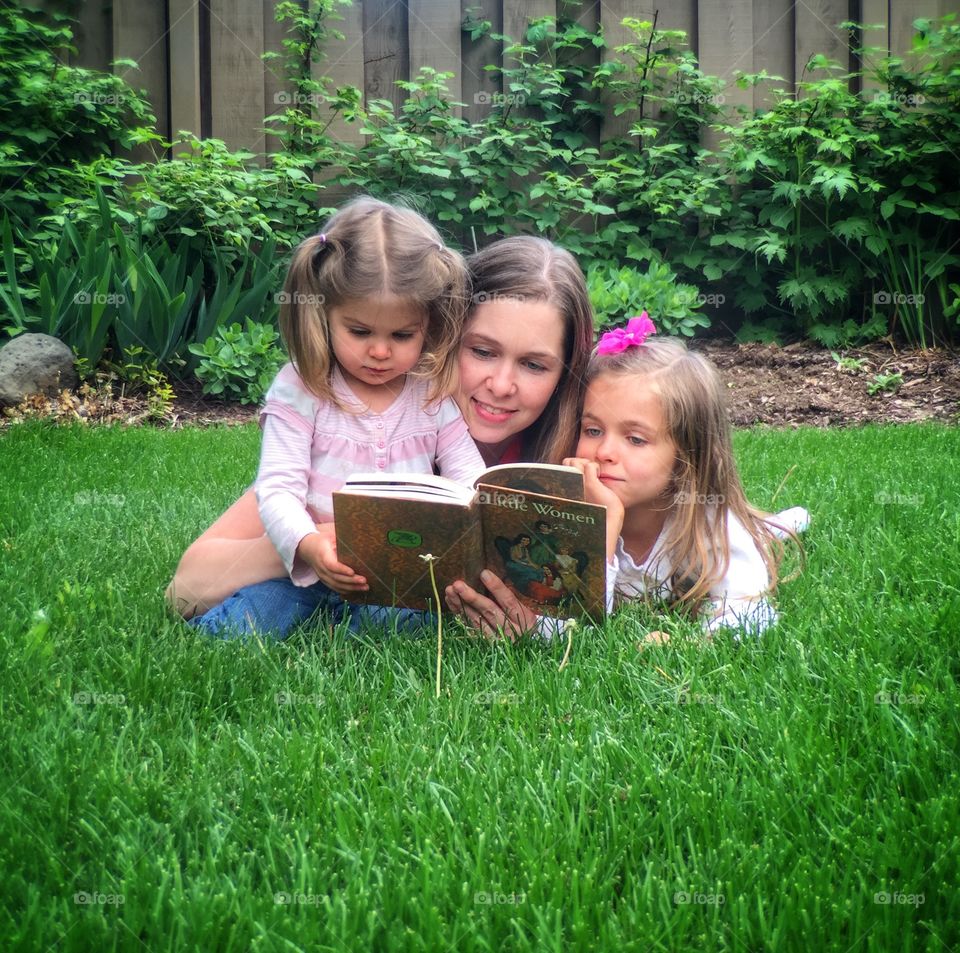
(34, 364)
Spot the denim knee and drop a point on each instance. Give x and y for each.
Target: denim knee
(273, 608)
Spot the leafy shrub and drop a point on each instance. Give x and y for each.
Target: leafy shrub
(53, 116)
(240, 363)
(619, 293)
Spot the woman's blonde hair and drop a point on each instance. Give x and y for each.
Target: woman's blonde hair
(368, 249)
(706, 487)
(529, 268)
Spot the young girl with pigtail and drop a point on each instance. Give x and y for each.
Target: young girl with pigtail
(371, 313)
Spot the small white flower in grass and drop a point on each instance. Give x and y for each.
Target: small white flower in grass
(430, 559)
(568, 626)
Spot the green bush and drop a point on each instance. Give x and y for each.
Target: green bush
(240, 363)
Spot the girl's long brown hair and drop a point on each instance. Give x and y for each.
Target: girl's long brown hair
(368, 249)
(529, 268)
(706, 486)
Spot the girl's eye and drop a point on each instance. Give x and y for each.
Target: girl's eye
(403, 335)
(359, 332)
(636, 441)
(591, 431)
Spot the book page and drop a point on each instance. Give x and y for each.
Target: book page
(547, 479)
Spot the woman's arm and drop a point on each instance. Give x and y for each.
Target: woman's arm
(500, 614)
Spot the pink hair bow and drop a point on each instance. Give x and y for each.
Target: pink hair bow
(633, 335)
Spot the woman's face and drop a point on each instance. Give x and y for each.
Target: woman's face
(511, 360)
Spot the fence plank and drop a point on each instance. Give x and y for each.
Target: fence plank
(342, 61)
(773, 48)
(274, 80)
(612, 13)
(818, 31)
(902, 15)
(140, 34)
(875, 13)
(386, 50)
(726, 44)
(434, 32)
(93, 36)
(478, 85)
(184, 66)
(236, 73)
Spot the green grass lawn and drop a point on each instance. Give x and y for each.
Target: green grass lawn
(163, 792)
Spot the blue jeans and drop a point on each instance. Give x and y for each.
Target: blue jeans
(276, 607)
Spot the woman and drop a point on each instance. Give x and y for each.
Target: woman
(522, 361)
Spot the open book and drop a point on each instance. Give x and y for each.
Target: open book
(525, 522)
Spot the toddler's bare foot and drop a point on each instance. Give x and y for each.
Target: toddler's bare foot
(653, 638)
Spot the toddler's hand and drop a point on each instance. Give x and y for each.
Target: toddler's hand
(319, 550)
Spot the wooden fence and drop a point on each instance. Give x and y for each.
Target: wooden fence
(200, 62)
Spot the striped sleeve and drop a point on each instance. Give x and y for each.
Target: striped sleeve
(457, 455)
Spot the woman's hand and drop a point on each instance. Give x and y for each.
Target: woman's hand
(597, 492)
(319, 551)
(502, 614)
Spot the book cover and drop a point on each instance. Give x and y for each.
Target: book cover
(548, 547)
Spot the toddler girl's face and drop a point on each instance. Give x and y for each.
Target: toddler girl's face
(624, 432)
(376, 340)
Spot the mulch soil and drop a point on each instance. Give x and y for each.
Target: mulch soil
(779, 386)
